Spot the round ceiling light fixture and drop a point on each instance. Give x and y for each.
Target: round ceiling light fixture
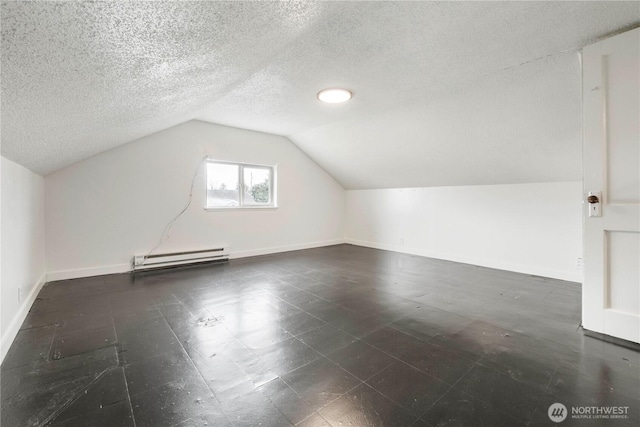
(334, 95)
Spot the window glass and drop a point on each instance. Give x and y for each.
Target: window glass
(223, 185)
(257, 185)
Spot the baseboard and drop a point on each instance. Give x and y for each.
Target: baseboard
(518, 268)
(87, 272)
(124, 268)
(611, 339)
(280, 249)
(18, 319)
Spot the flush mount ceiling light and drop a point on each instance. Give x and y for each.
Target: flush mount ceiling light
(334, 95)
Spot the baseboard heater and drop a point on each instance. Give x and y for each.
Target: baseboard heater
(173, 259)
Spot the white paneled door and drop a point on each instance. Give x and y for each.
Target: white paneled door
(611, 97)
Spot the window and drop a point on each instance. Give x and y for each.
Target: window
(240, 185)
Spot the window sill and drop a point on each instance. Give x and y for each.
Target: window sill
(242, 208)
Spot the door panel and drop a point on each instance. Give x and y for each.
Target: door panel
(611, 109)
(623, 272)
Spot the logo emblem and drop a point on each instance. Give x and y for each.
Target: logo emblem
(557, 412)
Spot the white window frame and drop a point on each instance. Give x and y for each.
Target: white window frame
(272, 186)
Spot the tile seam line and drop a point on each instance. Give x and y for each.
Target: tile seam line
(486, 403)
(194, 367)
(76, 396)
(360, 382)
(124, 373)
(448, 390)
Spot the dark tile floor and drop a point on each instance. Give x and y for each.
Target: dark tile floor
(336, 336)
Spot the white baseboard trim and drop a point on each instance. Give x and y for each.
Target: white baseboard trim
(518, 268)
(124, 268)
(87, 272)
(280, 249)
(14, 327)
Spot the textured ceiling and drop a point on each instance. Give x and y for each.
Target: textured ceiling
(446, 93)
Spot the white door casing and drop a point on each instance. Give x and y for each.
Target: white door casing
(611, 111)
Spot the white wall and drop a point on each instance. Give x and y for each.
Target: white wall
(105, 209)
(23, 242)
(529, 228)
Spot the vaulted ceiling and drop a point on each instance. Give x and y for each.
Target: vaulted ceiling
(446, 93)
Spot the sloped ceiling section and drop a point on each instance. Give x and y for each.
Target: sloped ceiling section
(446, 93)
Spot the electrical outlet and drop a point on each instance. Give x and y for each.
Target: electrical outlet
(579, 263)
(138, 260)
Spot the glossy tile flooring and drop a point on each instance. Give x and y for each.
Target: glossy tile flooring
(335, 336)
